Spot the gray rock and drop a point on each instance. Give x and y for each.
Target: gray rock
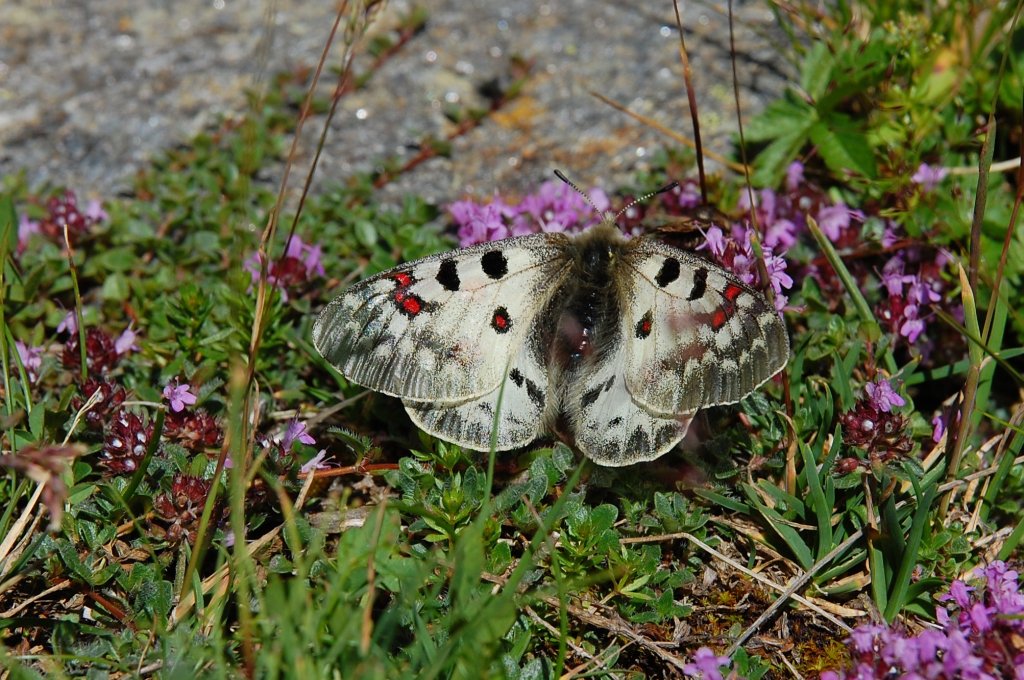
(90, 90)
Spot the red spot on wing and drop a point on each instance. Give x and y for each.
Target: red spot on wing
(403, 279)
(408, 304)
(412, 305)
(645, 328)
(501, 322)
(728, 307)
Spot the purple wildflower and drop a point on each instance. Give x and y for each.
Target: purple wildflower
(794, 175)
(882, 396)
(706, 665)
(780, 235)
(938, 428)
(921, 292)
(893, 277)
(296, 431)
(913, 325)
(94, 212)
(890, 237)
(126, 341)
(714, 241)
(928, 177)
(778, 277)
(980, 635)
(478, 223)
(687, 195)
(179, 396)
(26, 229)
(69, 324)
(834, 220)
(315, 463)
(31, 359)
(554, 207)
(309, 254)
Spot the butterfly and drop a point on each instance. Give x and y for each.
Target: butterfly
(611, 343)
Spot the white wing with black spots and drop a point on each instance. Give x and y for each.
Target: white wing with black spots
(695, 335)
(470, 423)
(609, 426)
(442, 328)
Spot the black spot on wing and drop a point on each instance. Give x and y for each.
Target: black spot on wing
(639, 441)
(516, 377)
(494, 264)
(448, 275)
(669, 272)
(700, 284)
(591, 395)
(535, 393)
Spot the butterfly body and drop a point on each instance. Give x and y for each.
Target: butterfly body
(611, 343)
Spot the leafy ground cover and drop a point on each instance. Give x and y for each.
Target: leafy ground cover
(190, 489)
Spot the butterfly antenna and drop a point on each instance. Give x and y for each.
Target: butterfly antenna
(561, 175)
(668, 187)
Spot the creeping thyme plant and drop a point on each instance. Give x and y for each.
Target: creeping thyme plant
(189, 488)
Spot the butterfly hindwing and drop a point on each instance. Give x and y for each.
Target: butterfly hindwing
(609, 426)
(696, 335)
(470, 423)
(442, 328)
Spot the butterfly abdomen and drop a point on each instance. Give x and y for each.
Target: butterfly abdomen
(584, 315)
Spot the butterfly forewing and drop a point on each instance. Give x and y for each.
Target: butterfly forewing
(441, 329)
(697, 336)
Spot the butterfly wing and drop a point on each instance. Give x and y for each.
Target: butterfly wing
(695, 335)
(442, 329)
(609, 426)
(520, 404)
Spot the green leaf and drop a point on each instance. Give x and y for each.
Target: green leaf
(780, 119)
(155, 597)
(36, 418)
(771, 163)
(843, 147)
(366, 233)
(817, 500)
(817, 70)
(115, 288)
(780, 526)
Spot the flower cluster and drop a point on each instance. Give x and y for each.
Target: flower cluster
(182, 508)
(102, 352)
(62, 211)
(872, 425)
(108, 401)
(125, 444)
(555, 207)
(911, 280)
(980, 635)
(908, 296)
(300, 263)
(195, 429)
(280, 448)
